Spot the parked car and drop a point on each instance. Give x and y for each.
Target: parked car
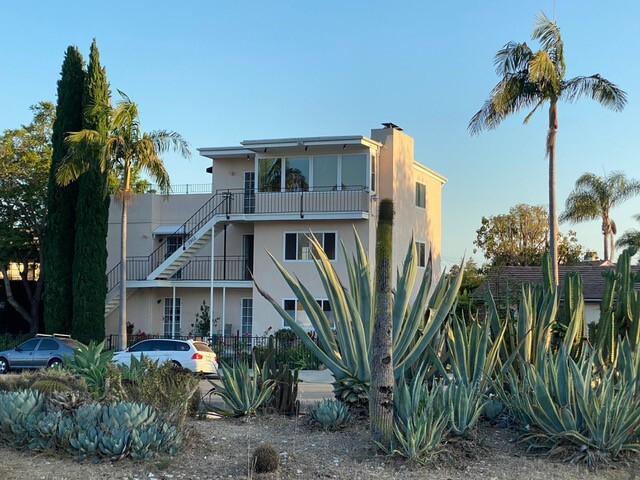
(190, 354)
(39, 352)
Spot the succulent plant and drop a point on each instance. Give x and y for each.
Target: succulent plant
(330, 414)
(265, 458)
(242, 392)
(493, 407)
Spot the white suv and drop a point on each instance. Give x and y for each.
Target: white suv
(189, 354)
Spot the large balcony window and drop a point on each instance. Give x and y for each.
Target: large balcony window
(317, 173)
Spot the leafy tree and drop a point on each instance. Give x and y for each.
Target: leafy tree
(521, 238)
(92, 216)
(531, 79)
(128, 147)
(594, 197)
(61, 202)
(25, 157)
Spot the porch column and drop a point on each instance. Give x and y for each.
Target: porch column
(212, 270)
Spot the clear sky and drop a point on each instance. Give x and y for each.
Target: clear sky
(222, 72)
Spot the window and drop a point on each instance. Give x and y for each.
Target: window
(325, 172)
(297, 246)
(171, 317)
(296, 176)
(373, 173)
(246, 316)
(421, 195)
(48, 344)
(28, 346)
(295, 309)
(421, 250)
(354, 171)
(269, 174)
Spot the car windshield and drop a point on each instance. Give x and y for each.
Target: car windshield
(202, 347)
(70, 342)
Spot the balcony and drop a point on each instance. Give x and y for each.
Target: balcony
(231, 268)
(350, 202)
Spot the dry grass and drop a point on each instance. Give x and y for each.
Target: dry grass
(221, 449)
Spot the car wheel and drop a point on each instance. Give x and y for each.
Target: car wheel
(4, 366)
(54, 362)
(177, 364)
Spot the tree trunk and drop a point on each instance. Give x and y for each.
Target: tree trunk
(123, 260)
(553, 218)
(31, 315)
(381, 392)
(606, 232)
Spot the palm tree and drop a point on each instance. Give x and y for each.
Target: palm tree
(630, 238)
(594, 197)
(529, 80)
(125, 149)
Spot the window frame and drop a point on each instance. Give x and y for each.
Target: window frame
(316, 234)
(367, 175)
(246, 327)
(421, 256)
(421, 195)
(168, 318)
(321, 301)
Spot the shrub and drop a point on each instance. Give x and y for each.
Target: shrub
(167, 388)
(265, 458)
(91, 362)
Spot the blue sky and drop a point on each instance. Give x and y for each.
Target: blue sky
(222, 72)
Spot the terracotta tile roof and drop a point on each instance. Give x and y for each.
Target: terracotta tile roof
(501, 279)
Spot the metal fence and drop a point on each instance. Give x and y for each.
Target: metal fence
(235, 348)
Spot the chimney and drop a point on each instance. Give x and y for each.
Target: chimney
(392, 125)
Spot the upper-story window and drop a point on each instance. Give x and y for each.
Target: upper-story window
(297, 245)
(421, 250)
(317, 173)
(373, 173)
(421, 195)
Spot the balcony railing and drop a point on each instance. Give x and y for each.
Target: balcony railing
(231, 268)
(299, 201)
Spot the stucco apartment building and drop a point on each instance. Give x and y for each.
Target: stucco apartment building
(266, 196)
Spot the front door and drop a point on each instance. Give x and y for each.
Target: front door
(249, 192)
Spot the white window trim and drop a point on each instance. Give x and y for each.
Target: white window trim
(295, 311)
(176, 329)
(242, 300)
(284, 244)
(421, 242)
(283, 159)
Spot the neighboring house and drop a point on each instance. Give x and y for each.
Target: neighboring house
(507, 281)
(267, 196)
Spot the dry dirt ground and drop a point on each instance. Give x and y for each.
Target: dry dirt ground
(219, 449)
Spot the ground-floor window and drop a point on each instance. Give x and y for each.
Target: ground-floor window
(246, 316)
(296, 310)
(421, 250)
(171, 317)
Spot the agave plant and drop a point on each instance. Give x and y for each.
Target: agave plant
(347, 351)
(463, 402)
(242, 392)
(420, 422)
(573, 408)
(330, 414)
(91, 362)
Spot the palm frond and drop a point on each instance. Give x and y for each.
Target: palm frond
(512, 58)
(547, 33)
(168, 140)
(513, 93)
(597, 88)
(80, 146)
(542, 72)
(150, 163)
(579, 207)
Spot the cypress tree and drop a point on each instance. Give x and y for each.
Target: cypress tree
(58, 241)
(92, 215)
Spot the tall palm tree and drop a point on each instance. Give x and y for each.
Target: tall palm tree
(630, 238)
(594, 197)
(529, 80)
(125, 149)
